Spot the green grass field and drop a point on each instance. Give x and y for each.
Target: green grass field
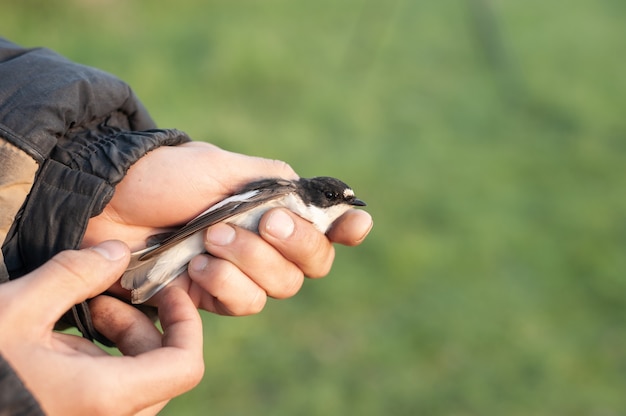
(489, 140)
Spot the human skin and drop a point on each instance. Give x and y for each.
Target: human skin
(69, 375)
(171, 185)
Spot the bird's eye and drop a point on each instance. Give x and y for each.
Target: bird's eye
(330, 195)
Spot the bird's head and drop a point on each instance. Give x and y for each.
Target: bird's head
(325, 192)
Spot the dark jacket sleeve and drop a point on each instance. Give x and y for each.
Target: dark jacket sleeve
(84, 128)
(15, 399)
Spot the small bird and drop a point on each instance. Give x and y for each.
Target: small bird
(320, 200)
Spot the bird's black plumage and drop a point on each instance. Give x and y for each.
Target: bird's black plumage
(324, 192)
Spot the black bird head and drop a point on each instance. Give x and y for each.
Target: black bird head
(324, 192)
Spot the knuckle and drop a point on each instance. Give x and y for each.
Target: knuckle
(232, 298)
(257, 304)
(195, 373)
(70, 266)
(221, 273)
(283, 168)
(313, 252)
(290, 285)
(243, 306)
(321, 266)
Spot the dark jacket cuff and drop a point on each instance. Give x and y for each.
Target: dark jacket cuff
(71, 187)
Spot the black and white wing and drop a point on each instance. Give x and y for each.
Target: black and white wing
(154, 267)
(250, 197)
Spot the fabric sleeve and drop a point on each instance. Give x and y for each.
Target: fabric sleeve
(82, 130)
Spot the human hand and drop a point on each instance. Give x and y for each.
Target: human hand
(165, 189)
(70, 375)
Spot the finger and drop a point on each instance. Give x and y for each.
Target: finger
(69, 278)
(150, 379)
(351, 228)
(182, 326)
(237, 167)
(256, 258)
(126, 326)
(178, 366)
(243, 169)
(298, 241)
(74, 343)
(221, 287)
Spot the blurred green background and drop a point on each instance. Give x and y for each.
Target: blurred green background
(489, 140)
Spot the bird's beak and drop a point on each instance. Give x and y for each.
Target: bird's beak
(357, 202)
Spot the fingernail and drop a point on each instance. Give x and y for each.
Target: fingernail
(198, 263)
(280, 225)
(111, 250)
(221, 234)
(366, 223)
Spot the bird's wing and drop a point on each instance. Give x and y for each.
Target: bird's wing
(250, 197)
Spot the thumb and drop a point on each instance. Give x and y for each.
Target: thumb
(236, 169)
(69, 278)
(241, 169)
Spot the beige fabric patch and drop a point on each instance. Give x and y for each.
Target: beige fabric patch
(17, 175)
